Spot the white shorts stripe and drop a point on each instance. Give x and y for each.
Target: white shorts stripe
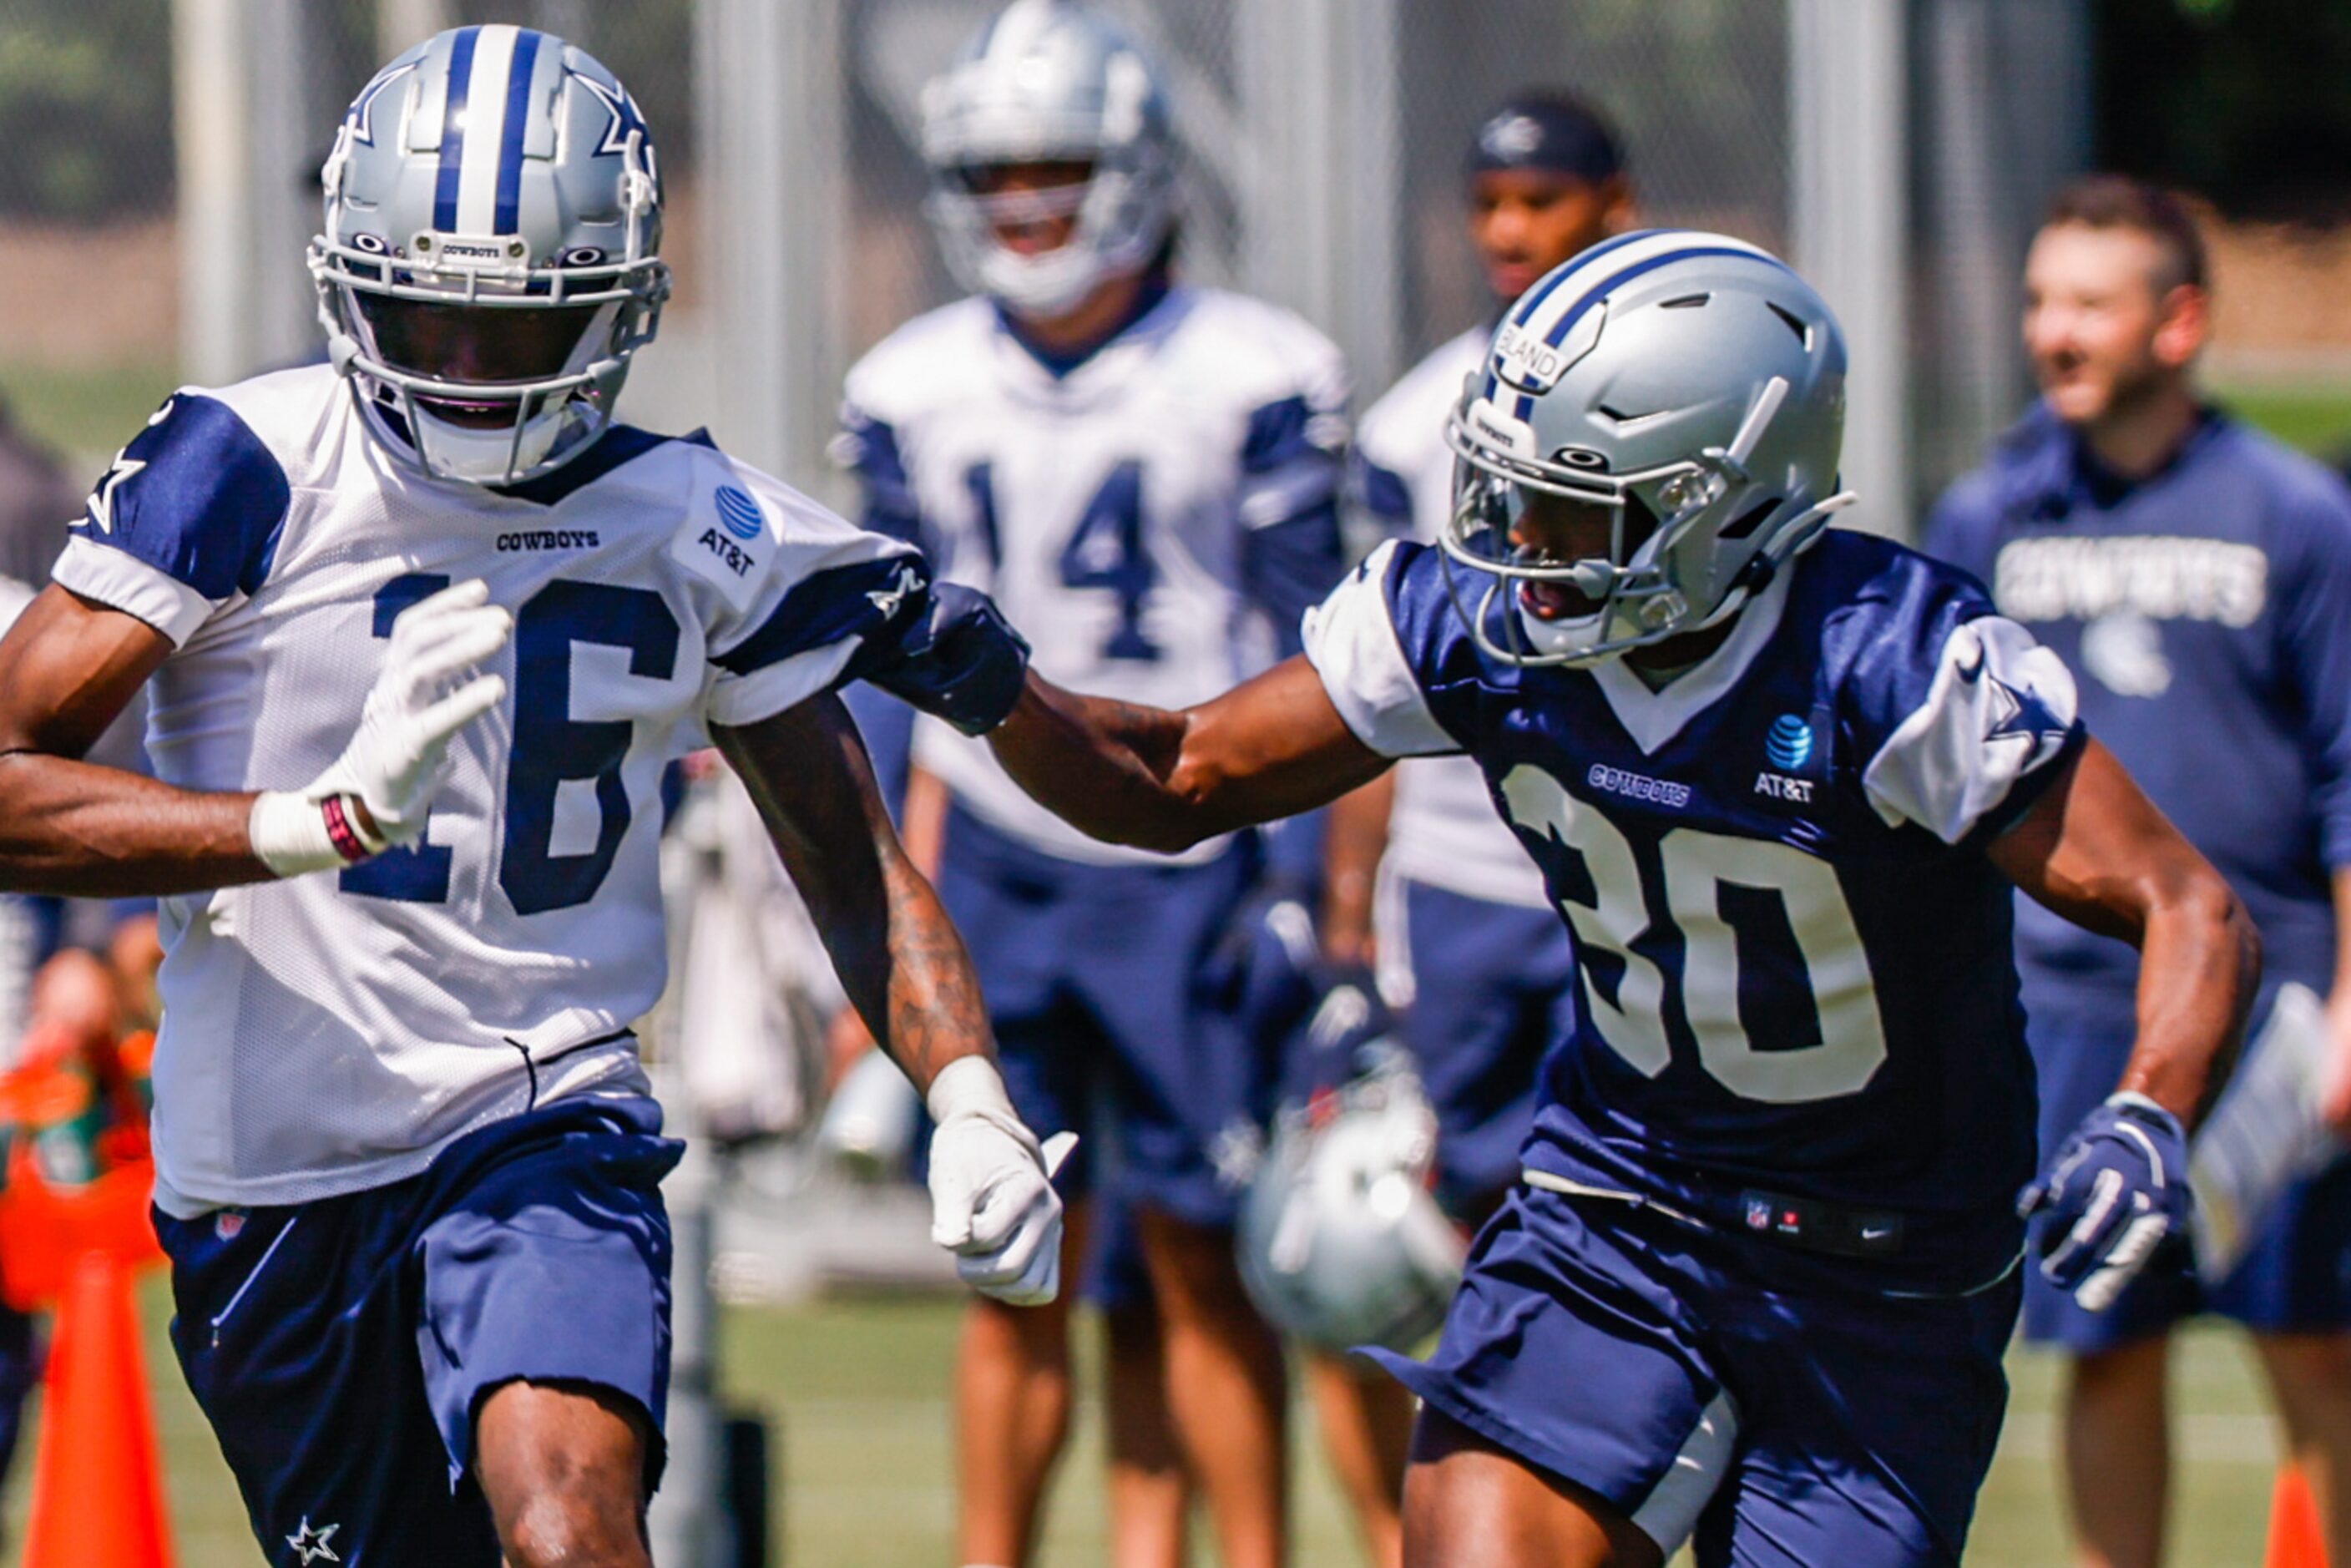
(1671, 1514)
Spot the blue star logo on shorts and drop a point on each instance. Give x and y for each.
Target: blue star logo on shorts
(312, 1544)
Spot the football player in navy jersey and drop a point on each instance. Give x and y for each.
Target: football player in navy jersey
(1753, 1285)
(423, 627)
(2195, 574)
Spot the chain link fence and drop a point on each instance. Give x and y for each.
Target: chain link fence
(1324, 142)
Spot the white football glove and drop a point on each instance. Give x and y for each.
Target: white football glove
(992, 1198)
(398, 758)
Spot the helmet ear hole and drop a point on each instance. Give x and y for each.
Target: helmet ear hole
(1748, 521)
(1640, 521)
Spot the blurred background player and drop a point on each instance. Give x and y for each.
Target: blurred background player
(1467, 944)
(2196, 577)
(1147, 473)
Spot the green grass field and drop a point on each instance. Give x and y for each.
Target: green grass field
(857, 1392)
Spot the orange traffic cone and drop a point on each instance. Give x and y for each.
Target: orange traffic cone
(2295, 1538)
(97, 1492)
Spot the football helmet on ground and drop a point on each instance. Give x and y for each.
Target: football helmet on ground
(1045, 83)
(489, 260)
(1340, 1241)
(1683, 395)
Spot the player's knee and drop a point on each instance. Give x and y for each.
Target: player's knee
(1193, 1271)
(2311, 1375)
(575, 1527)
(2137, 1370)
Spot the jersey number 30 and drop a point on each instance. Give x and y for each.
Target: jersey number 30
(1732, 901)
(549, 744)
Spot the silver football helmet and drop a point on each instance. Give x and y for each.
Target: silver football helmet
(1688, 385)
(490, 257)
(1048, 80)
(1340, 1241)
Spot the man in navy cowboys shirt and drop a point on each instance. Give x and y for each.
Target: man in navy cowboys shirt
(2195, 575)
(1753, 1285)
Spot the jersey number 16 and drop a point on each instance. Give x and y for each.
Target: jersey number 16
(549, 744)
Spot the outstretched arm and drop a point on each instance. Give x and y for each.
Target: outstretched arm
(907, 974)
(2095, 850)
(1271, 747)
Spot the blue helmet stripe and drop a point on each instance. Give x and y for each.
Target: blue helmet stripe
(1560, 329)
(509, 199)
(1523, 312)
(453, 129)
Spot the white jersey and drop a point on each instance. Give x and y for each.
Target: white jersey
(1443, 831)
(1155, 520)
(331, 1032)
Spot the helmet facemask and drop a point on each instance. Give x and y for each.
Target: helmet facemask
(472, 358)
(1576, 609)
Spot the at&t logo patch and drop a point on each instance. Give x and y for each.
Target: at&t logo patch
(739, 514)
(1788, 746)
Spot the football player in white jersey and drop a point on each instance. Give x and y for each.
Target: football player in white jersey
(423, 627)
(1467, 944)
(1147, 471)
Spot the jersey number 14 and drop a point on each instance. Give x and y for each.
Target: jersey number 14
(1108, 550)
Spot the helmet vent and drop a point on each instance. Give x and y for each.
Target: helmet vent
(1803, 331)
(1618, 414)
(1752, 518)
(1687, 302)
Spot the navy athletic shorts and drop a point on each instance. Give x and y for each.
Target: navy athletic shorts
(342, 1348)
(1722, 1389)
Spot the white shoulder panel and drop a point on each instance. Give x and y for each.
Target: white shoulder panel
(1351, 639)
(2001, 706)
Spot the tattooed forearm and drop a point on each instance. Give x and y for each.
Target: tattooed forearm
(933, 1005)
(898, 959)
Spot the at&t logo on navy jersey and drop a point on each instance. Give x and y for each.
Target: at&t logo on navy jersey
(1787, 747)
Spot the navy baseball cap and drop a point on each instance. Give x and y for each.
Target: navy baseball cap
(1547, 131)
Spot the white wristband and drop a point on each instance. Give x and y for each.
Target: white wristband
(290, 833)
(969, 1085)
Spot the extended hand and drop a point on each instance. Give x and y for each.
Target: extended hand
(992, 1198)
(2112, 1192)
(960, 660)
(378, 791)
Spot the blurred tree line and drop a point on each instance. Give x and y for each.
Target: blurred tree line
(2245, 102)
(86, 88)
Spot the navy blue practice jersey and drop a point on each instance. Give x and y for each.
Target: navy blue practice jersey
(1796, 958)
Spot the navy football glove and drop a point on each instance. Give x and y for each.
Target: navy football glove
(960, 659)
(2113, 1191)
